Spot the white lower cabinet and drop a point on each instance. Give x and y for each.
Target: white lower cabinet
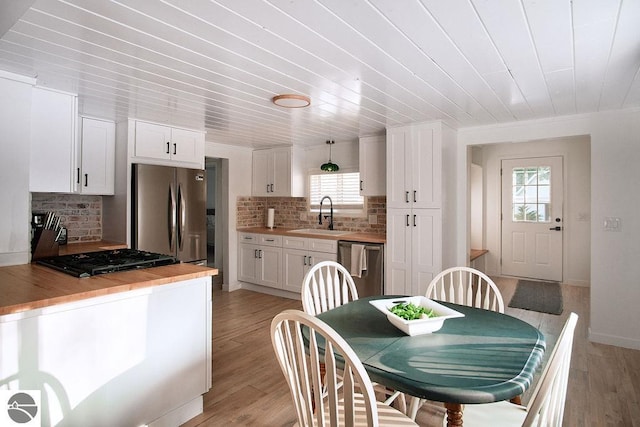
(411, 262)
(299, 254)
(141, 357)
(259, 259)
(280, 261)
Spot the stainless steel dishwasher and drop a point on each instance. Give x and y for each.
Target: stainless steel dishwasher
(371, 281)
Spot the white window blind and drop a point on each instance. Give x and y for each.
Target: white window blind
(343, 188)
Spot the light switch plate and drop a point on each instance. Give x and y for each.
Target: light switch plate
(612, 223)
(373, 219)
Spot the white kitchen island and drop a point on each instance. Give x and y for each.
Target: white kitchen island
(123, 349)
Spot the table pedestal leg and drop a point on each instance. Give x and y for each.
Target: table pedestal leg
(454, 414)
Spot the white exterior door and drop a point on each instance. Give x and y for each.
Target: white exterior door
(532, 197)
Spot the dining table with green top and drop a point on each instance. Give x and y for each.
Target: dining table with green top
(482, 357)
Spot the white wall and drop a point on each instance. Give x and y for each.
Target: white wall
(237, 168)
(15, 133)
(615, 177)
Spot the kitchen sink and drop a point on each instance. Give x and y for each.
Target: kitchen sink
(320, 231)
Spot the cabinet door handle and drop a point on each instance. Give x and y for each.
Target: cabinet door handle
(267, 188)
(414, 220)
(406, 197)
(272, 188)
(361, 183)
(260, 254)
(407, 220)
(414, 196)
(86, 179)
(310, 261)
(167, 147)
(270, 240)
(255, 253)
(304, 261)
(175, 148)
(78, 178)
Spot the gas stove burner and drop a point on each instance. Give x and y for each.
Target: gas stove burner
(102, 262)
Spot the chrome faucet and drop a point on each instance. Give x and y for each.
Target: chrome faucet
(330, 213)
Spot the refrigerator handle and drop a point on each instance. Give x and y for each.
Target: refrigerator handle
(171, 213)
(181, 217)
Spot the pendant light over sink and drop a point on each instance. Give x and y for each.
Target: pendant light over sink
(329, 166)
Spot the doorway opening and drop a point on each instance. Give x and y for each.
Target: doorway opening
(216, 218)
(575, 221)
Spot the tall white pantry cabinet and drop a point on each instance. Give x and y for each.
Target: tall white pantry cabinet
(420, 215)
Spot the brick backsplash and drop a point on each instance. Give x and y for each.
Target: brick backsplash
(81, 214)
(293, 212)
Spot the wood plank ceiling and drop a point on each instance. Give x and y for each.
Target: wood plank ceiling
(365, 64)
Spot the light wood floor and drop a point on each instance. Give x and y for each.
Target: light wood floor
(249, 388)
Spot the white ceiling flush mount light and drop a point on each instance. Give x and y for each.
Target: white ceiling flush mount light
(329, 166)
(291, 101)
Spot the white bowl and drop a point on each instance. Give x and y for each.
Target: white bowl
(417, 326)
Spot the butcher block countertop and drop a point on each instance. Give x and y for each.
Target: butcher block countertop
(82, 247)
(353, 237)
(31, 286)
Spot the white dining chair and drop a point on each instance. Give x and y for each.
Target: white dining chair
(466, 286)
(546, 406)
(327, 285)
(348, 398)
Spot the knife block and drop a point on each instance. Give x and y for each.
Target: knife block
(44, 244)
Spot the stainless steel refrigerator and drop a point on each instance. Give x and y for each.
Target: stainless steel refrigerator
(169, 211)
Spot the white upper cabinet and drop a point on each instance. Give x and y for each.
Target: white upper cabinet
(59, 161)
(168, 145)
(372, 159)
(414, 167)
(96, 171)
(277, 172)
(53, 154)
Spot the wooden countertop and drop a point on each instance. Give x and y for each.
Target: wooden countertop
(82, 247)
(30, 286)
(477, 253)
(353, 237)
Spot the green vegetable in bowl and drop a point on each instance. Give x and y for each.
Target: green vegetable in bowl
(410, 311)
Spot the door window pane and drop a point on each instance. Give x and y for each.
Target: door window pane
(531, 194)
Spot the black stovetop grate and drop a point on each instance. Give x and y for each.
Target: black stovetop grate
(109, 261)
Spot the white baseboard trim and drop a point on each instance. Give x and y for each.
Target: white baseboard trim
(617, 341)
(180, 415)
(270, 291)
(14, 258)
(231, 287)
(582, 283)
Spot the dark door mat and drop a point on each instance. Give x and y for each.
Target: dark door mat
(545, 297)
